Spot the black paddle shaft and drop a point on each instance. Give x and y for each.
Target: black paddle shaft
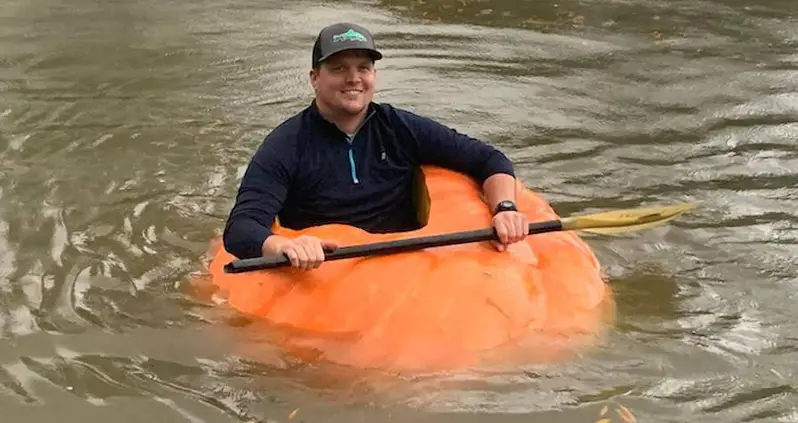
(390, 247)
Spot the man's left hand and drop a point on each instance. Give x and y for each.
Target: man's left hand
(511, 227)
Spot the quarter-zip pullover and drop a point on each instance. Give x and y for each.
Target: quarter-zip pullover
(307, 172)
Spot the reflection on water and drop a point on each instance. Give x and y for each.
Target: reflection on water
(124, 128)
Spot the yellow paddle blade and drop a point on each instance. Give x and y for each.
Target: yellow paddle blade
(626, 220)
(615, 231)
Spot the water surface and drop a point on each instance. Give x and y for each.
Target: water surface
(125, 127)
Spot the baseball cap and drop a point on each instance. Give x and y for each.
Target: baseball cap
(342, 36)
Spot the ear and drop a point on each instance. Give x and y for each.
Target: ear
(313, 77)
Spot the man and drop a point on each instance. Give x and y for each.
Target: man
(345, 159)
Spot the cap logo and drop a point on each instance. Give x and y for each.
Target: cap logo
(350, 35)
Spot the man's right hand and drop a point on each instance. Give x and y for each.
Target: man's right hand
(305, 252)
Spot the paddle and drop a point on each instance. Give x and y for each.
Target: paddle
(625, 220)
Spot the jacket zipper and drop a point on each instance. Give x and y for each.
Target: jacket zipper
(352, 169)
(350, 140)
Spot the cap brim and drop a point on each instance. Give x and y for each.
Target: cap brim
(375, 55)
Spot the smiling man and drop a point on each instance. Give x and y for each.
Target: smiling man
(346, 159)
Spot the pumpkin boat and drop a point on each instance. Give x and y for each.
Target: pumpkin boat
(439, 308)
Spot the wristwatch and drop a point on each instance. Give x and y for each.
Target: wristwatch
(504, 206)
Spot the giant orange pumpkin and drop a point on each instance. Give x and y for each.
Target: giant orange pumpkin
(440, 308)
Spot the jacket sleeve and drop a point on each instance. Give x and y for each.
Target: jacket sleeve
(443, 146)
(260, 197)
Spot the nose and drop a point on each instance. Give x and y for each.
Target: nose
(352, 75)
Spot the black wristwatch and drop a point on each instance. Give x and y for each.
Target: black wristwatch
(504, 206)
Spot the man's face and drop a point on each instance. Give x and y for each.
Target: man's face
(345, 81)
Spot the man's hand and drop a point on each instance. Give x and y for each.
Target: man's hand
(511, 226)
(305, 252)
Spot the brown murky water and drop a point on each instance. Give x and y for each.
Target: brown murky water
(124, 127)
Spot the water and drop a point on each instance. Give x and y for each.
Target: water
(124, 127)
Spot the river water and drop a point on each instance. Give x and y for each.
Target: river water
(125, 126)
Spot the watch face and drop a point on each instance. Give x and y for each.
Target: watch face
(505, 206)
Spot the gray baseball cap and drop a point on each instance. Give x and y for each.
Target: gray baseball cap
(343, 36)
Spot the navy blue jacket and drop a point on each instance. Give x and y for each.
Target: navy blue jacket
(307, 172)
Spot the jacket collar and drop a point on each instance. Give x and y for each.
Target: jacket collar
(318, 118)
